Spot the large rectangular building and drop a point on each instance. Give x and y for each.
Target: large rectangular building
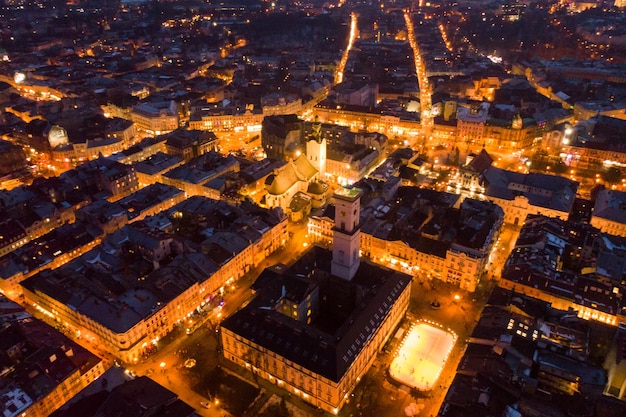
(320, 337)
(316, 327)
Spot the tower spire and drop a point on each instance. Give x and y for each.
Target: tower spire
(316, 148)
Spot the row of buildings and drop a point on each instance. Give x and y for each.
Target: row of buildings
(574, 266)
(421, 232)
(70, 240)
(149, 276)
(32, 211)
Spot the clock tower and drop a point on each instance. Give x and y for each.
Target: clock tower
(346, 233)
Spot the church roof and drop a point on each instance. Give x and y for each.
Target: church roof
(304, 167)
(284, 180)
(298, 170)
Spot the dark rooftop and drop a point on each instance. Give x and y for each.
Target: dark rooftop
(321, 347)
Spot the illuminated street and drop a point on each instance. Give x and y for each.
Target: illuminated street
(346, 53)
(167, 364)
(426, 119)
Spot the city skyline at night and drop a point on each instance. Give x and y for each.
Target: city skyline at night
(273, 208)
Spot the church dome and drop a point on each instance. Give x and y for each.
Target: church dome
(317, 188)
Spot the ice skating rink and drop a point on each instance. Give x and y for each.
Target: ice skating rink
(422, 356)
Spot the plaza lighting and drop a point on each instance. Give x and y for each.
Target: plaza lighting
(422, 355)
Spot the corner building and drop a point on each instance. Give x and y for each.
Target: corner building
(315, 327)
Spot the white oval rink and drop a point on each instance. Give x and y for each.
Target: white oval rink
(422, 356)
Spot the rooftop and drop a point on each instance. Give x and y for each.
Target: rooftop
(333, 340)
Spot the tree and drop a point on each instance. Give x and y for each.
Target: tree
(612, 175)
(276, 410)
(559, 168)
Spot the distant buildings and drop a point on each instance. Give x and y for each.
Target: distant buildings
(187, 144)
(277, 104)
(368, 118)
(356, 94)
(155, 117)
(97, 137)
(225, 119)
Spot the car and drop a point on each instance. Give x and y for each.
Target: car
(205, 404)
